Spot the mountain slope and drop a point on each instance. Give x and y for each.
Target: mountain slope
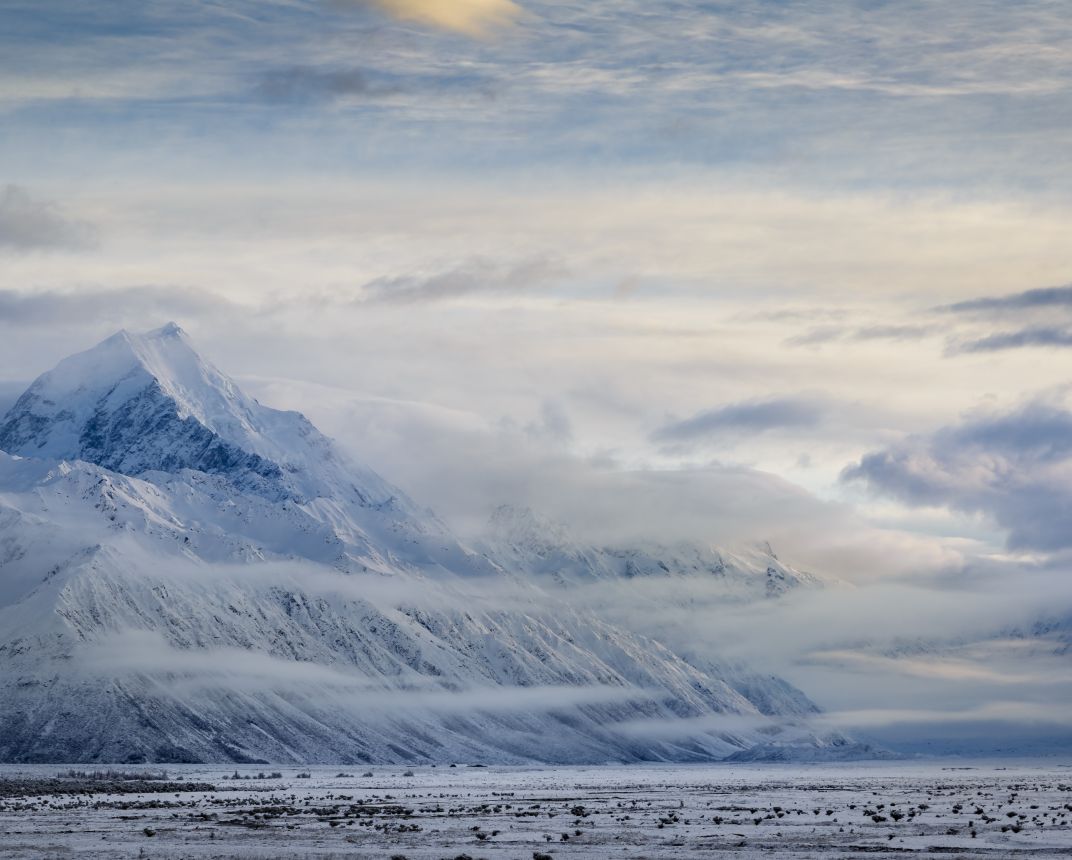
(683, 577)
(123, 641)
(188, 575)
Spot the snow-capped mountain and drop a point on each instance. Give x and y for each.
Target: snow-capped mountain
(149, 406)
(186, 574)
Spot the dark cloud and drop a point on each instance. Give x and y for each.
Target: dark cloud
(1045, 297)
(309, 84)
(29, 224)
(1044, 336)
(1014, 468)
(753, 416)
(1035, 306)
(475, 276)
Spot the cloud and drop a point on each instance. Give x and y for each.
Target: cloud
(194, 670)
(463, 466)
(754, 416)
(894, 638)
(554, 424)
(29, 224)
(912, 627)
(147, 652)
(1045, 297)
(477, 18)
(946, 646)
(151, 302)
(1035, 336)
(892, 332)
(687, 727)
(475, 276)
(817, 336)
(1015, 468)
(820, 335)
(731, 90)
(1036, 306)
(309, 84)
(1008, 712)
(947, 668)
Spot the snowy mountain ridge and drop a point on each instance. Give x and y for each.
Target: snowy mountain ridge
(187, 575)
(527, 542)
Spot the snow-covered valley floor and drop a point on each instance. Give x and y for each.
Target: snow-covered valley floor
(889, 809)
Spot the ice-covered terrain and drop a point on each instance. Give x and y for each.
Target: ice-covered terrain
(187, 575)
(899, 809)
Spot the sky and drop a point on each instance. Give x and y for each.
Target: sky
(797, 272)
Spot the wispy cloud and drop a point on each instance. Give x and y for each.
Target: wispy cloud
(1007, 712)
(1044, 297)
(820, 335)
(906, 332)
(477, 276)
(186, 671)
(754, 416)
(1034, 336)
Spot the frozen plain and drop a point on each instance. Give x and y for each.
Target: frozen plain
(994, 809)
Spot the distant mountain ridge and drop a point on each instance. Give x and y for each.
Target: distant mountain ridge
(543, 548)
(187, 575)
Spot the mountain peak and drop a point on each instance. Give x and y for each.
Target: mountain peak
(149, 403)
(171, 329)
(136, 343)
(136, 403)
(106, 376)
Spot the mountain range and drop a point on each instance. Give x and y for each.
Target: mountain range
(187, 575)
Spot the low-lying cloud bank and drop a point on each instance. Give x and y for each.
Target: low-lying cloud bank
(186, 671)
(983, 648)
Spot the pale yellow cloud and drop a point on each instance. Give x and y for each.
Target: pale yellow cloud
(473, 17)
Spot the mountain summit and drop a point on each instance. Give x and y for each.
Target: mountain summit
(149, 403)
(187, 575)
